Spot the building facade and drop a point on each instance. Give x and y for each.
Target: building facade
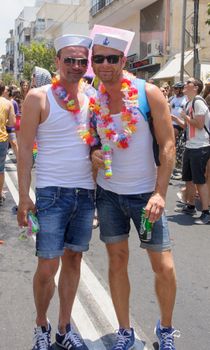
(23, 36)
(158, 32)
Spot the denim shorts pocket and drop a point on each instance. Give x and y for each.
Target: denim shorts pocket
(44, 202)
(99, 192)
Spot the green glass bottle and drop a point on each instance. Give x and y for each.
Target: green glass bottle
(145, 232)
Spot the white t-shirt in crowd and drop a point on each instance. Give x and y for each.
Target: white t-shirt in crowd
(197, 138)
(177, 104)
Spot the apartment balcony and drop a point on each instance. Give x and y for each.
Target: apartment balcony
(111, 12)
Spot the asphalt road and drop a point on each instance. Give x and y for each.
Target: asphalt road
(93, 314)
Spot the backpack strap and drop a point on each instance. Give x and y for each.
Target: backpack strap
(142, 97)
(197, 98)
(144, 109)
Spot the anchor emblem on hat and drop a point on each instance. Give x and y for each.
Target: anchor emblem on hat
(106, 41)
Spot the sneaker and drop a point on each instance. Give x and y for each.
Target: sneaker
(187, 210)
(176, 176)
(203, 219)
(42, 338)
(70, 340)
(166, 337)
(125, 339)
(2, 199)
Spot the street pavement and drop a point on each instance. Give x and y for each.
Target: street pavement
(93, 314)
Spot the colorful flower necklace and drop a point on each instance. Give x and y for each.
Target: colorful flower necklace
(87, 135)
(129, 113)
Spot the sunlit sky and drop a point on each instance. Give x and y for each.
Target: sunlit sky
(9, 12)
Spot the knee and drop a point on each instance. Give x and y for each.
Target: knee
(118, 261)
(72, 260)
(46, 271)
(165, 271)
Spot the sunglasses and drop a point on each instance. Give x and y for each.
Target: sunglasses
(190, 82)
(80, 61)
(112, 59)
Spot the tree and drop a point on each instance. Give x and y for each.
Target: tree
(8, 79)
(208, 11)
(37, 54)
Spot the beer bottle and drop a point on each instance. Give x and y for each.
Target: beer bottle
(145, 232)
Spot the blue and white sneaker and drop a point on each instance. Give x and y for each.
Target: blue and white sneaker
(70, 340)
(166, 337)
(42, 339)
(125, 339)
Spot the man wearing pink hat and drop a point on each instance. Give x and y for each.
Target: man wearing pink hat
(135, 182)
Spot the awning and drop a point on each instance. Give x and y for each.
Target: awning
(172, 67)
(205, 71)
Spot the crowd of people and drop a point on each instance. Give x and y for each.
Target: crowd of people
(71, 125)
(189, 105)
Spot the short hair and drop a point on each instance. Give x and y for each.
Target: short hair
(199, 84)
(2, 87)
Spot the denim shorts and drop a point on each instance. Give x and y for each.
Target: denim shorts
(65, 217)
(115, 212)
(3, 154)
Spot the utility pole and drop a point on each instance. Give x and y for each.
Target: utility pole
(196, 63)
(183, 39)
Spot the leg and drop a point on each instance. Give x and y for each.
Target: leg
(3, 153)
(190, 193)
(44, 286)
(208, 180)
(119, 281)
(1, 183)
(13, 143)
(204, 196)
(165, 283)
(68, 284)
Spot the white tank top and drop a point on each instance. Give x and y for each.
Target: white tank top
(133, 168)
(63, 158)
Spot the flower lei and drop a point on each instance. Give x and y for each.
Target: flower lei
(129, 113)
(87, 134)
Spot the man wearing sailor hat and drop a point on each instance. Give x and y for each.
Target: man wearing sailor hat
(56, 115)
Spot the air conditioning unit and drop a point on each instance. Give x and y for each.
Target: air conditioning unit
(153, 48)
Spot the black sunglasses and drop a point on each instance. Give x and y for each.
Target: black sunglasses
(112, 59)
(80, 61)
(191, 82)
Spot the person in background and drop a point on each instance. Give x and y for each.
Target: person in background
(206, 92)
(167, 88)
(164, 92)
(40, 77)
(7, 119)
(196, 155)
(8, 94)
(24, 89)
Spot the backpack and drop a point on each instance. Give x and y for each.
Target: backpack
(196, 98)
(144, 108)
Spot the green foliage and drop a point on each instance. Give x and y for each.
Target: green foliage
(8, 79)
(208, 11)
(37, 54)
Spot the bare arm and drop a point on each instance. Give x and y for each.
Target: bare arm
(165, 138)
(179, 121)
(30, 120)
(198, 121)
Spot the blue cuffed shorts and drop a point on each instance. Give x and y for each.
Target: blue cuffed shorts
(65, 217)
(3, 154)
(115, 212)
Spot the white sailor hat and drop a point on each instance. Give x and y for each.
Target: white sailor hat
(72, 40)
(112, 41)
